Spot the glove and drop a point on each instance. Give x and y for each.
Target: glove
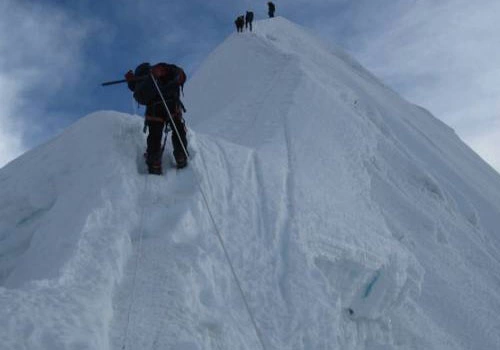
(129, 76)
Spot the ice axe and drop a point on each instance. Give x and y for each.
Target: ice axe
(121, 81)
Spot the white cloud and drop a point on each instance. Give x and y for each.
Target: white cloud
(444, 56)
(487, 144)
(41, 47)
(10, 136)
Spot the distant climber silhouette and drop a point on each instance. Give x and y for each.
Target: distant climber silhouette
(249, 20)
(240, 23)
(271, 9)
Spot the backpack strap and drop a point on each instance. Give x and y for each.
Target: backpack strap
(181, 78)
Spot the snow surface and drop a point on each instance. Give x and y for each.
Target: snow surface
(352, 218)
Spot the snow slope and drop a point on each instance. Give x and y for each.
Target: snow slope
(351, 218)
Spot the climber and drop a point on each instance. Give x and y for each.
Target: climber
(170, 79)
(271, 9)
(239, 22)
(249, 20)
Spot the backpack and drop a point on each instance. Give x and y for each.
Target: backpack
(144, 91)
(170, 78)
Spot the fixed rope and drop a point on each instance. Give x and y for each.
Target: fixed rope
(136, 267)
(216, 229)
(137, 260)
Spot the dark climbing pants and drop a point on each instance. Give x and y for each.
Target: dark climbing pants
(156, 119)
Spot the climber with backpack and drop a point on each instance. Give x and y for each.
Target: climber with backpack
(145, 82)
(240, 23)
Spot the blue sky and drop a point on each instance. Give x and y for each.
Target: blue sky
(443, 55)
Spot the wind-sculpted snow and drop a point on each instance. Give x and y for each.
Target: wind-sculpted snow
(64, 237)
(352, 219)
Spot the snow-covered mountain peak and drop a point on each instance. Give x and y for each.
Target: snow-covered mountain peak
(351, 218)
